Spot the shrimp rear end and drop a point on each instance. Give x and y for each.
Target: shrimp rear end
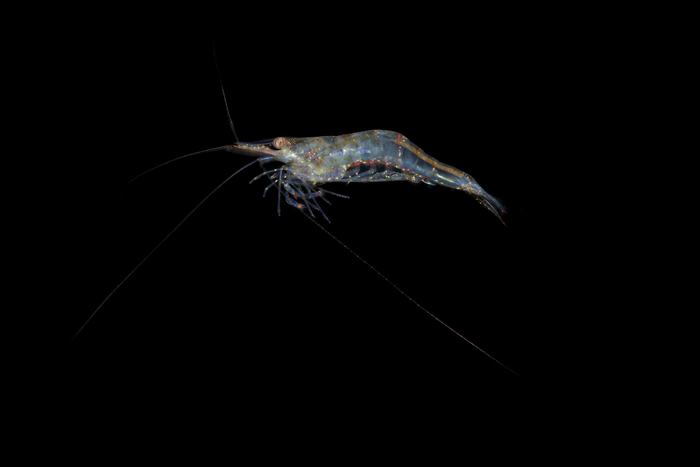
(491, 203)
(391, 156)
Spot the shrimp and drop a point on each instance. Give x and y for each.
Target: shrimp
(368, 156)
(311, 162)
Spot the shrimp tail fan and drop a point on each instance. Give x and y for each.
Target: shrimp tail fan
(493, 204)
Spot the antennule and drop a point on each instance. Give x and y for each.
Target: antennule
(223, 93)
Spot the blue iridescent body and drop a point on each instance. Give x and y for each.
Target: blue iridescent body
(367, 156)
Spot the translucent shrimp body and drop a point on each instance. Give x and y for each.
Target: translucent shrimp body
(368, 156)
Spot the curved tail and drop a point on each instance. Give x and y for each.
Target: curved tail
(486, 200)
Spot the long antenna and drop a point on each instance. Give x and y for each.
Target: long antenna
(228, 114)
(233, 129)
(404, 293)
(158, 246)
(220, 148)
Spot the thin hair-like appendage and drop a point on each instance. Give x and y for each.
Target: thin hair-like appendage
(223, 93)
(161, 242)
(405, 294)
(220, 148)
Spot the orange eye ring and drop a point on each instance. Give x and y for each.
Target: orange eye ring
(279, 142)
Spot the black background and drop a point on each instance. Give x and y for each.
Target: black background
(238, 292)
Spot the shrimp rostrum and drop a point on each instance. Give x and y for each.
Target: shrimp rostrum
(368, 156)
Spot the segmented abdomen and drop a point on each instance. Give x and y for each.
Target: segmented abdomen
(387, 155)
(381, 155)
(371, 156)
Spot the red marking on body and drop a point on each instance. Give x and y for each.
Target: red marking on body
(404, 170)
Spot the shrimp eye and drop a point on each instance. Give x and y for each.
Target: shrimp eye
(279, 142)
